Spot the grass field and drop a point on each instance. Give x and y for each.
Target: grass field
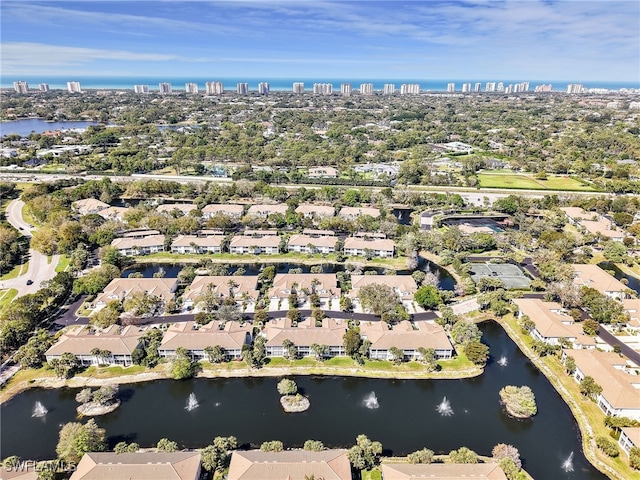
(16, 271)
(528, 182)
(62, 264)
(6, 297)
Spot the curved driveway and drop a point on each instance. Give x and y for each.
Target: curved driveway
(40, 269)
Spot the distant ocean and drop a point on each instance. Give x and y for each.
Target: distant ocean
(285, 84)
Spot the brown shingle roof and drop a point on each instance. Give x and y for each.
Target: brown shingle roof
(128, 242)
(121, 288)
(80, 340)
(138, 466)
(183, 334)
(374, 244)
(220, 285)
(227, 209)
(404, 284)
(306, 333)
(357, 211)
(247, 241)
(594, 277)
(283, 283)
(187, 240)
(549, 322)
(404, 336)
(289, 465)
(304, 240)
(442, 471)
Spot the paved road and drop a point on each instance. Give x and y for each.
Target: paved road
(40, 269)
(627, 351)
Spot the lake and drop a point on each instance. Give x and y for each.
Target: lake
(38, 125)
(405, 420)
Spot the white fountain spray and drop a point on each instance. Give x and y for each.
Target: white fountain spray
(192, 403)
(371, 401)
(444, 408)
(503, 361)
(39, 410)
(567, 465)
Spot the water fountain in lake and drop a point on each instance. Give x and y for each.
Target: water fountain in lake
(567, 465)
(371, 401)
(444, 408)
(503, 361)
(39, 410)
(192, 403)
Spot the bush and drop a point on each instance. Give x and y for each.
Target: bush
(421, 456)
(313, 446)
(520, 402)
(272, 446)
(287, 387)
(462, 455)
(634, 458)
(607, 446)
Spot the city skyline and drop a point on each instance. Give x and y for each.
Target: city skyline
(580, 40)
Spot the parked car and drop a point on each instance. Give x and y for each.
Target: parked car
(29, 282)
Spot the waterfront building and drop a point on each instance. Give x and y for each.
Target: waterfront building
(345, 89)
(44, 87)
(592, 276)
(183, 465)
(139, 246)
(466, 87)
(298, 87)
(304, 285)
(312, 244)
(366, 88)
(322, 88)
(230, 336)
(575, 88)
(490, 87)
(242, 288)
(327, 464)
(141, 88)
(389, 89)
(263, 88)
(21, 87)
(74, 87)
(363, 247)
(543, 88)
(230, 210)
(165, 88)
(477, 87)
(409, 89)
(242, 88)
(351, 213)
(449, 471)
(214, 88)
(184, 208)
(500, 87)
(303, 335)
(408, 337)
(451, 87)
(191, 87)
(194, 244)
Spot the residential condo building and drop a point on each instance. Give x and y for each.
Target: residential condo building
(214, 88)
(451, 87)
(478, 86)
(410, 89)
(74, 87)
(466, 87)
(322, 88)
(345, 89)
(298, 87)
(191, 87)
(263, 88)
(389, 89)
(366, 88)
(242, 88)
(165, 88)
(141, 88)
(490, 87)
(575, 88)
(21, 87)
(44, 87)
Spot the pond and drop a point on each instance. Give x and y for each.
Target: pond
(447, 282)
(38, 125)
(406, 418)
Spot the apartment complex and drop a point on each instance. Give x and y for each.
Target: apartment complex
(214, 88)
(141, 88)
(74, 87)
(165, 88)
(21, 87)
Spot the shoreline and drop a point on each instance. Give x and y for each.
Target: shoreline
(8, 393)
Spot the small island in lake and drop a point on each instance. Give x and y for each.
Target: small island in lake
(98, 402)
(291, 400)
(520, 402)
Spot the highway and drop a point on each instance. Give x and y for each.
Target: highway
(40, 269)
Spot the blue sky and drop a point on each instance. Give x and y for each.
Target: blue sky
(516, 39)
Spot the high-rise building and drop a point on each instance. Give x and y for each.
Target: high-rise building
(509, 89)
(500, 87)
(74, 87)
(44, 87)
(322, 88)
(21, 87)
(366, 89)
(165, 88)
(543, 88)
(451, 87)
(214, 88)
(298, 87)
(490, 87)
(242, 88)
(410, 89)
(477, 87)
(466, 87)
(263, 88)
(524, 86)
(141, 88)
(575, 88)
(389, 89)
(345, 89)
(191, 87)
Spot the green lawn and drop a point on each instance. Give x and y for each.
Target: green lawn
(16, 271)
(553, 182)
(7, 296)
(374, 474)
(63, 264)
(27, 217)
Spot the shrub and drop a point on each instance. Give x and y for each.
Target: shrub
(287, 387)
(607, 446)
(272, 446)
(520, 402)
(421, 456)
